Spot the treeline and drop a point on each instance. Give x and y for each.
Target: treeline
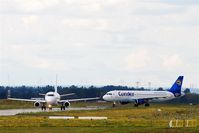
(189, 98)
(28, 92)
(80, 92)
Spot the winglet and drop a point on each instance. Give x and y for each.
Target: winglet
(176, 87)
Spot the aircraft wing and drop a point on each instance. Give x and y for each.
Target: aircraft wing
(81, 99)
(69, 94)
(152, 98)
(27, 100)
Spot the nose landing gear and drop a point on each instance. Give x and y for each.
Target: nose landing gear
(114, 104)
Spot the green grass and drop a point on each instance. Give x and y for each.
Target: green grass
(128, 112)
(8, 104)
(96, 130)
(120, 119)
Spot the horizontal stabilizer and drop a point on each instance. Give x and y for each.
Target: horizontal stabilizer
(41, 94)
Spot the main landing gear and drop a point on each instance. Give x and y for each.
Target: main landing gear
(43, 107)
(63, 107)
(136, 105)
(147, 104)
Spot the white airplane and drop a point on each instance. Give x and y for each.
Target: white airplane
(143, 97)
(53, 98)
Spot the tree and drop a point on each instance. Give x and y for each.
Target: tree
(160, 89)
(187, 91)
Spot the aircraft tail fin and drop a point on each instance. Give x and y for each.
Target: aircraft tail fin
(56, 85)
(176, 87)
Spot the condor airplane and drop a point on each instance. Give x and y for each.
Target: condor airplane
(143, 97)
(53, 98)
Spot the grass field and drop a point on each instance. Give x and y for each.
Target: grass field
(8, 104)
(120, 119)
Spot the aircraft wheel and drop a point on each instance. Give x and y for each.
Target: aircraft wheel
(147, 104)
(114, 104)
(43, 108)
(135, 105)
(62, 108)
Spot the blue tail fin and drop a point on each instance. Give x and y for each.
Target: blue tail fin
(176, 88)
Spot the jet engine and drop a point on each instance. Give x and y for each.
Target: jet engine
(141, 101)
(67, 104)
(37, 104)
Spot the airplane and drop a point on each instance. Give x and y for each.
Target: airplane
(52, 99)
(143, 97)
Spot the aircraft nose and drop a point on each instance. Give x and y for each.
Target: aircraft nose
(50, 100)
(104, 97)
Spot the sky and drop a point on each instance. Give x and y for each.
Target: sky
(99, 42)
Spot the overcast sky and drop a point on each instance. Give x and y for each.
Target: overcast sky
(99, 42)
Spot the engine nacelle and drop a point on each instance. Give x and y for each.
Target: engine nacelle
(123, 103)
(37, 104)
(140, 101)
(67, 104)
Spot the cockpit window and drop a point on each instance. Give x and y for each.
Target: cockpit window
(50, 94)
(109, 94)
